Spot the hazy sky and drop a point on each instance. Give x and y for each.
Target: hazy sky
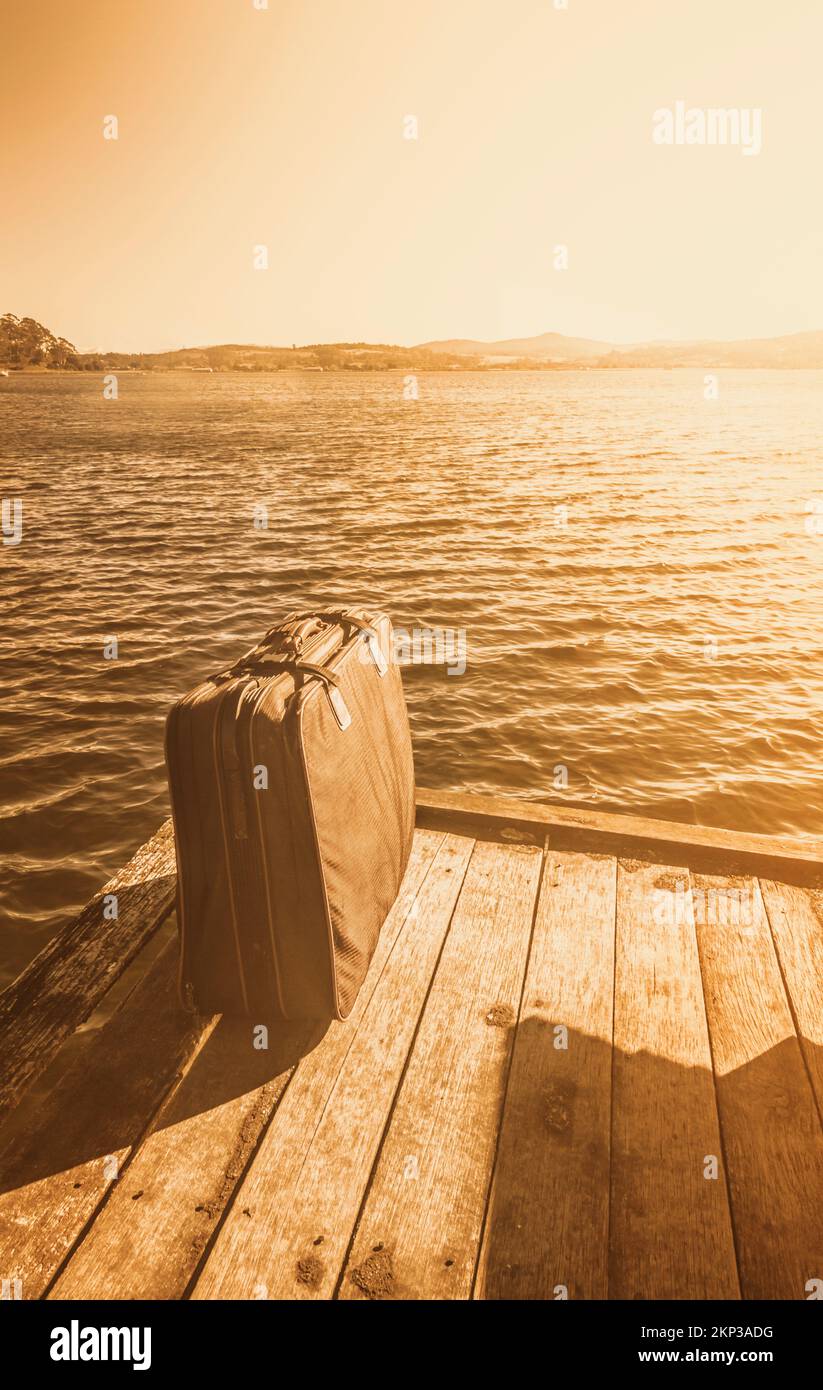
(284, 127)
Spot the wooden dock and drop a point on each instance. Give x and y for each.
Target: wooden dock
(587, 1062)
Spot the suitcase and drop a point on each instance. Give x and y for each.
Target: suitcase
(292, 792)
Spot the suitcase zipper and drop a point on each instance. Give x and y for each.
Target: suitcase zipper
(221, 799)
(257, 700)
(185, 985)
(257, 696)
(240, 830)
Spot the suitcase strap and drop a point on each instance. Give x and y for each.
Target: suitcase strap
(265, 665)
(285, 645)
(282, 645)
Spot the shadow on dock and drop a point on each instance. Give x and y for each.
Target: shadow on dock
(625, 1175)
(618, 1175)
(100, 1107)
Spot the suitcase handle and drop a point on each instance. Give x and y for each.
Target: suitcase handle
(292, 635)
(342, 616)
(282, 647)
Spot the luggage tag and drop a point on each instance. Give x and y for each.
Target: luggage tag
(373, 643)
(339, 707)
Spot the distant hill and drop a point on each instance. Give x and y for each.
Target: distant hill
(239, 357)
(791, 350)
(26, 343)
(554, 346)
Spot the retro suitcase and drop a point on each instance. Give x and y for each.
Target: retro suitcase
(292, 790)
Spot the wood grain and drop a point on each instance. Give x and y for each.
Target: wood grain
(395, 1116)
(771, 1127)
(503, 810)
(67, 979)
(147, 1241)
(796, 919)
(287, 1231)
(419, 1232)
(670, 1229)
(547, 1231)
(55, 1173)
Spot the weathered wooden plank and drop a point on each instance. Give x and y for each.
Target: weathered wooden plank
(770, 1123)
(55, 1173)
(437, 806)
(288, 1228)
(547, 1229)
(419, 1232)
(797, 928)
(670, 1228)
(147, 1240)
(188, 1167)
(63, 984)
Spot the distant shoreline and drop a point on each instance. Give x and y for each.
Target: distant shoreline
(410, 368)
(26, 345)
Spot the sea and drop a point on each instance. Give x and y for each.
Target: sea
(607, 587)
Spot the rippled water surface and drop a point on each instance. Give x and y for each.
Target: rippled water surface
(663, 645)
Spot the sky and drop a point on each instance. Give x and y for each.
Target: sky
(284, 127)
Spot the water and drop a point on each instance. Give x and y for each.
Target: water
(663, 646)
